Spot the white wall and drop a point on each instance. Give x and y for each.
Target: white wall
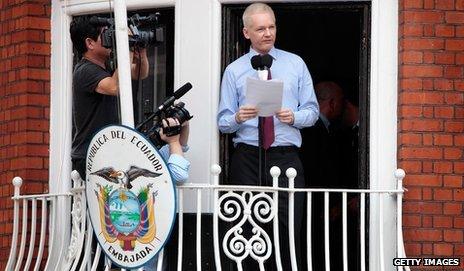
(197, 60)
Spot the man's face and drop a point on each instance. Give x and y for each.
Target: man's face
(338, 105)
(96, 48)
(350, 114)
(261, 32)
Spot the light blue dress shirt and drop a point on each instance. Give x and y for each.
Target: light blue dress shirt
(298, 95)
(177, 164)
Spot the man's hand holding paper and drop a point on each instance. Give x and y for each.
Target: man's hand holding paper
(245, 113)
(286, 116)
(265, 96)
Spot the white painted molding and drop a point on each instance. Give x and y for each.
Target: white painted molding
(79, 7)
(383, 124)
(60, 124)
(198, 60)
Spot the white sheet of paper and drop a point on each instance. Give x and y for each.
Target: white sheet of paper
(265, 95)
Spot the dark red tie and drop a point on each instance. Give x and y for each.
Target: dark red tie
(266, 125)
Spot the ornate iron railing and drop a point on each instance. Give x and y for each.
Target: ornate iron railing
(235, 205)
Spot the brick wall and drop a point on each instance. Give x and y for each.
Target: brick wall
(24, 104)
(431, 125)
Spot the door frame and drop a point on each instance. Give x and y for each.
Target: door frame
(382, 130)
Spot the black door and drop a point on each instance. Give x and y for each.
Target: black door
(334, 41)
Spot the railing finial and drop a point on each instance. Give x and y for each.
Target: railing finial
(75, 175)
(215, 170)
(291, 173)
(275, 172)
(17, 182)
(400, 174)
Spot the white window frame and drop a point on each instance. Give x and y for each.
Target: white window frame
(197, 57)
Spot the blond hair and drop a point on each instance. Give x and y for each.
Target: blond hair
(255, 9)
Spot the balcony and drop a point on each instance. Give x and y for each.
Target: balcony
(38, 246)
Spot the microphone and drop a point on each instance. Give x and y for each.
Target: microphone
(167, 103)
(261, 64)
(176, 95)
(266, 61)
(182, 90)
(256, 62)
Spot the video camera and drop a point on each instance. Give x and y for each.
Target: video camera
(166, 110)
(149, 33)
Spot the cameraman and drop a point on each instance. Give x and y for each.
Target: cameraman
(173, 154)
(95, 87)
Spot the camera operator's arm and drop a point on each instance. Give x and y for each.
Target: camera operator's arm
(109, 85)
(139, 64)
(184, 134)
(173, 154)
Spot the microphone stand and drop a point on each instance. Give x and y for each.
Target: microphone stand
(261, 64)
(260, 150)
(262, 153)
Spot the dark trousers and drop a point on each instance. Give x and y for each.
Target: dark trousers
(245, 171)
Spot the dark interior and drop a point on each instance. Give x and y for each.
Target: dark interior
(333, 40)
(328, 39)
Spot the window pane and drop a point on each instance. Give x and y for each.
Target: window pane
(150, 92)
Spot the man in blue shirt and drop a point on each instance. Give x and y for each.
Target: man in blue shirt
(173, 154)
(299, 109)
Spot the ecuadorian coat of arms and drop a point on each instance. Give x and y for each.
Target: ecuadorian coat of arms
(126, 179)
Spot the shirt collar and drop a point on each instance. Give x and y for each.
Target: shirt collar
(272, 52)
(325, 121)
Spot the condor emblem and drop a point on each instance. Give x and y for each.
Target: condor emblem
(130, 196)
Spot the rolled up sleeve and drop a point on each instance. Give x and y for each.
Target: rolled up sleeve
(179, 167)
(228, 104)
(177, 164)
(308, 108)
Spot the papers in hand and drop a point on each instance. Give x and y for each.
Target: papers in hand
(266, 95)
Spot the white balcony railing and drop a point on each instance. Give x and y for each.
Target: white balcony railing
(235, 205)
